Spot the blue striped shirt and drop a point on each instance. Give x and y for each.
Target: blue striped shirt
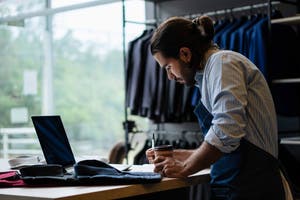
(235, 92)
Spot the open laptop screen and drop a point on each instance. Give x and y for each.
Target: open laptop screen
(53, 140)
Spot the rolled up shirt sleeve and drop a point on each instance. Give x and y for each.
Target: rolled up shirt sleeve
(225, 93)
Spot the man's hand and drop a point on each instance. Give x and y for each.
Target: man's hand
(169, 167)
(185, 162)
(150, 155)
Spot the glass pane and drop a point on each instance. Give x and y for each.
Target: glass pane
(89, 76)
(62, 3)
(135, 10)
(15, 7)
(20, 69)
(22, 59)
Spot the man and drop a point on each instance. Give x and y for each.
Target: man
(236, 113)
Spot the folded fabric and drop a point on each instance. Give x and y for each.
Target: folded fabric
(97, 172)
(46, 174)
(10, 179)
(86, 172)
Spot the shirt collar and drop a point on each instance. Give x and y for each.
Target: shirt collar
(198, 78)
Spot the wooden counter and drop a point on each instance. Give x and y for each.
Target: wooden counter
(102, 192)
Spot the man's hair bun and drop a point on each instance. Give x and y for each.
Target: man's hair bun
(206, 25)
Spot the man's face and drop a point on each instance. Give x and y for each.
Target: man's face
(177, 69)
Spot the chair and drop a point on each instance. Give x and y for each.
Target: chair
(117, 153)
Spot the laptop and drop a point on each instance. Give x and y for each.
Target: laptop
(54, 142)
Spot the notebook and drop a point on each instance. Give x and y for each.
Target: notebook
(54, 141)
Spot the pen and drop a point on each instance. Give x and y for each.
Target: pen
(153, 141)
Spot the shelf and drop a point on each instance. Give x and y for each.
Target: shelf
(287, 20)
(287, 80)
(292, 140)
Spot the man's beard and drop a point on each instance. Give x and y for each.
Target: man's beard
(188, 73)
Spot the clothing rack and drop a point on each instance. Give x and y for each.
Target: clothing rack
(230, 11)
(268, 6)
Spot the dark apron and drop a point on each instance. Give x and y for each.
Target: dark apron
(246, 173)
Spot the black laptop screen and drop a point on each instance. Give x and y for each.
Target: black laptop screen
(53, 140)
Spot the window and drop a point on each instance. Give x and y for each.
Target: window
(16, 7)
(71, 66)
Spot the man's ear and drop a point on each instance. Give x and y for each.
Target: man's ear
(185, 54)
